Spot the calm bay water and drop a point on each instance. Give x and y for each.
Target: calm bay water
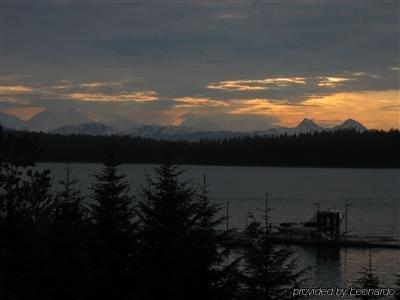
(375, 194)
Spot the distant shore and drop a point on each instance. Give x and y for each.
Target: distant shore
(344, 149)
(228, 165)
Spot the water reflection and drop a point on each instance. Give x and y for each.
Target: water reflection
(340, 267)
(327, 254)
(325, 265)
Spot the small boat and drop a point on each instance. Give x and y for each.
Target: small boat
(324, 229)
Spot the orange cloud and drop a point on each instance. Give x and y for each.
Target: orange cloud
(375, 109)
(97, 84)
(15, 89)
(14, 100)
(281, 109)
(86, 85)
(142, 96)
(256, 84)
(278, 82)
(334, 81)
(199, 101)
(60, 87)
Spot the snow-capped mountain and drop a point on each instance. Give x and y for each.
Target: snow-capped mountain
(211, 135)
(351, 124)
(51, 119)
(123, 125)
(306, 126)
(276, 131)
(159, 131)
(73, 122)
(11, 121)
(190, 134)
(176, 133)
(85, 129)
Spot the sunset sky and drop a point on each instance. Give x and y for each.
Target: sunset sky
(239, 65)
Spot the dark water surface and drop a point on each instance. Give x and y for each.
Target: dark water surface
(375, 194)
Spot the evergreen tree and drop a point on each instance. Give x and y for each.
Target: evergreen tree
(269, 272)
(69, 233)
(368, 279)
(38, 199)
(221, 278)
(37, 254)
(17, 156)
(28, 262)
(69, 207)
(114, 246)
(112, 208)
(181, 255)
(25, 209)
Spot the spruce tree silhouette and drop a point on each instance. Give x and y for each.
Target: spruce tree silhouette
(368, 279)
(114, 233)
(180, 252)
(220, 278)
(69, 205)
(38, 258)
(269, 272)
(25, 210)
(69, 234)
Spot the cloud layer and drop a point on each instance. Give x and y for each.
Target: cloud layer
(268, 63)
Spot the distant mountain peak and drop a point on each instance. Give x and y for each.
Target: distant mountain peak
(121, 125)
(50, 119)
(170, 132)
(308, 125)
(351, 124)
(10, 121)
(94, 129)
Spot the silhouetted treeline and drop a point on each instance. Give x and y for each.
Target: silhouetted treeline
(329, 149)
(159, 243)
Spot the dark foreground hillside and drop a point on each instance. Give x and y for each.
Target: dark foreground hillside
(326, 149)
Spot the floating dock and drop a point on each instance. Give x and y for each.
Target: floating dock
(240, 240)
(322, 230)
(358, 242)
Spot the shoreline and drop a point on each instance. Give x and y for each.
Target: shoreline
(232, 165)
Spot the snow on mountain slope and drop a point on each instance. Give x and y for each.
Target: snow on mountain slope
(85, 129)
(175, 133)
(306, 126)
(123, 125)
(351, 124)
(159, 131)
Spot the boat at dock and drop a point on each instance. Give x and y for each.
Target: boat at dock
(322, 230)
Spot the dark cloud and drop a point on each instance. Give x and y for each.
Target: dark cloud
(176, 49)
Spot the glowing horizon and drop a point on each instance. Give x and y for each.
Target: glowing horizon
(241, 65)
(374, 109)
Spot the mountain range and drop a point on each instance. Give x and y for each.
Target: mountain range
(71, 121)
(45, 121)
